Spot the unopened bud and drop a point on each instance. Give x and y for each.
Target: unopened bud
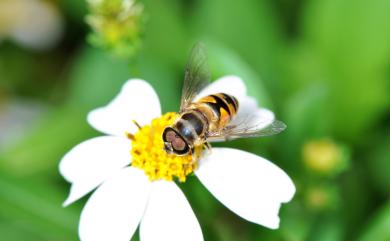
(324, 156)
(116, 24)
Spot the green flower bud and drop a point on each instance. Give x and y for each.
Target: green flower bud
(117, 25)
(322, 197)
(324, 156)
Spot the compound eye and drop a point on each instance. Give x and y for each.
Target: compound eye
(170, 135)
(174, 142)
(178, 144)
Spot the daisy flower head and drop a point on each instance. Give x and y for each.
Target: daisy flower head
(135, 178)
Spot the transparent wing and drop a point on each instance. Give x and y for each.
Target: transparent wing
(197, 75)
(242, 130)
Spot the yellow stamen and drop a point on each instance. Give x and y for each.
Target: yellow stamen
(149, 155)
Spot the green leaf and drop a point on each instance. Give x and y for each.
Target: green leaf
(378, 227)
(379, 165)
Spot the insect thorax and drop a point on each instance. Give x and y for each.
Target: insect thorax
(208, 114)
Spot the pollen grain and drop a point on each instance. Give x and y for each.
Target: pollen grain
(148, 154)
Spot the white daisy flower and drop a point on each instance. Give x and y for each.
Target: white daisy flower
(133, 176)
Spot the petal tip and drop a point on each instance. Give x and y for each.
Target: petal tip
(67, 202)
(274, 226)
(272, 223)
(232, 77)
(292, 192)
(238, 81)
(92, 116)
(135, 81)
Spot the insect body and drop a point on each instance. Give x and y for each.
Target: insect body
(208, 118)
(207, 115)
(219, 109)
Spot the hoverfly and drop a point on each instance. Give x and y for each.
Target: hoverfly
(210, 118)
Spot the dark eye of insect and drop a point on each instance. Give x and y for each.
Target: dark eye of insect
(176, 141)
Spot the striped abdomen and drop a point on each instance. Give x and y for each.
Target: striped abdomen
(219, 109)
(208, 114)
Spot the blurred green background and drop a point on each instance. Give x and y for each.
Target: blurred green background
(322, 65)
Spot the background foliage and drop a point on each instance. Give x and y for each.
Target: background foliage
(322, 65)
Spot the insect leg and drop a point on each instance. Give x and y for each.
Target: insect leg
(207, 145)
(207, 148)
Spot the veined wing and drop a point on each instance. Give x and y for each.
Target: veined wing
(242, 130)
(197, 76)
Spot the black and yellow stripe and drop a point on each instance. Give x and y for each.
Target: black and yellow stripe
(209, 114)
(223, 106)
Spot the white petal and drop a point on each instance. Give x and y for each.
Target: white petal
(168, 216)
(114, 211)
(137, 101)
(93, 161)
(252, 116)
(248, 185)
(230, 84)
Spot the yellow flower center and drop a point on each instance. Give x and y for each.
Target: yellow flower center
(149, 155)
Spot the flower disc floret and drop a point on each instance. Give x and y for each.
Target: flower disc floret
(149, 155)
